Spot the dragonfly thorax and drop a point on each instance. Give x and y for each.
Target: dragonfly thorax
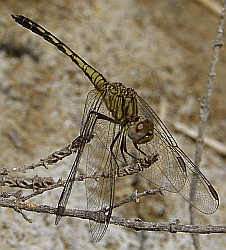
(141, 131)
(121, 102)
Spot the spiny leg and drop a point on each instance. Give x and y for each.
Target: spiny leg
(123, 147)
(136, 146)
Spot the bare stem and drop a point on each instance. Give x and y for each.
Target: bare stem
(205, 105)
(137, 224)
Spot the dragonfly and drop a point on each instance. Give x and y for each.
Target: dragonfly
(120, 129)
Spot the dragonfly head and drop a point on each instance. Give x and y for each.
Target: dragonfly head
(141, 131)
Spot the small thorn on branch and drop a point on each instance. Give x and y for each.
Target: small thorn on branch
(173, 226)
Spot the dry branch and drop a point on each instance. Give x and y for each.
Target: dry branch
(205, 105)
(192, 133)
(136, 224)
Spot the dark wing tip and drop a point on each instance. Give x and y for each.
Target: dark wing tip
(214, 193)
(57, 220)
(182, 164)
(59, 213)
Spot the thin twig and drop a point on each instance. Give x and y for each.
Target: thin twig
(205, 106)
(192, 133)
(136, 224)
(47, 182)
(26, 183)
(135, 196)
(50, 159)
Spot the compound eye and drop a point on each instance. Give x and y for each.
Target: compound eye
(141, 131)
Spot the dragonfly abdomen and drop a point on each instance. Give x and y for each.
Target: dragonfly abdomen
(94, 76)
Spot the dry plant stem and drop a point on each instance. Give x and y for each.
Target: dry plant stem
(192, 133)
(45, 182)
(41, 185)
(26, 183)
(205, 108)
(33, 183)
(137, 224)
(51, 159)
(135, 196)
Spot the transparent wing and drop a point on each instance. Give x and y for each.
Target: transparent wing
(89, 120)
(62, 203)
(173, 170)
(197, 189)
(100, 191)
(168, 171)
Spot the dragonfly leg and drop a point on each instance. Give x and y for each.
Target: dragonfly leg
(142, 152)
(124, 149)
(112, 146)
(103, 117)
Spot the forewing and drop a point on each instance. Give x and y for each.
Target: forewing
(100, 190)
(168, 171)
(92, 106)
(173, 170)
(197, 190)
(63, 200)
(88, 123)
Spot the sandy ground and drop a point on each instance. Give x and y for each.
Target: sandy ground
(160, 48)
